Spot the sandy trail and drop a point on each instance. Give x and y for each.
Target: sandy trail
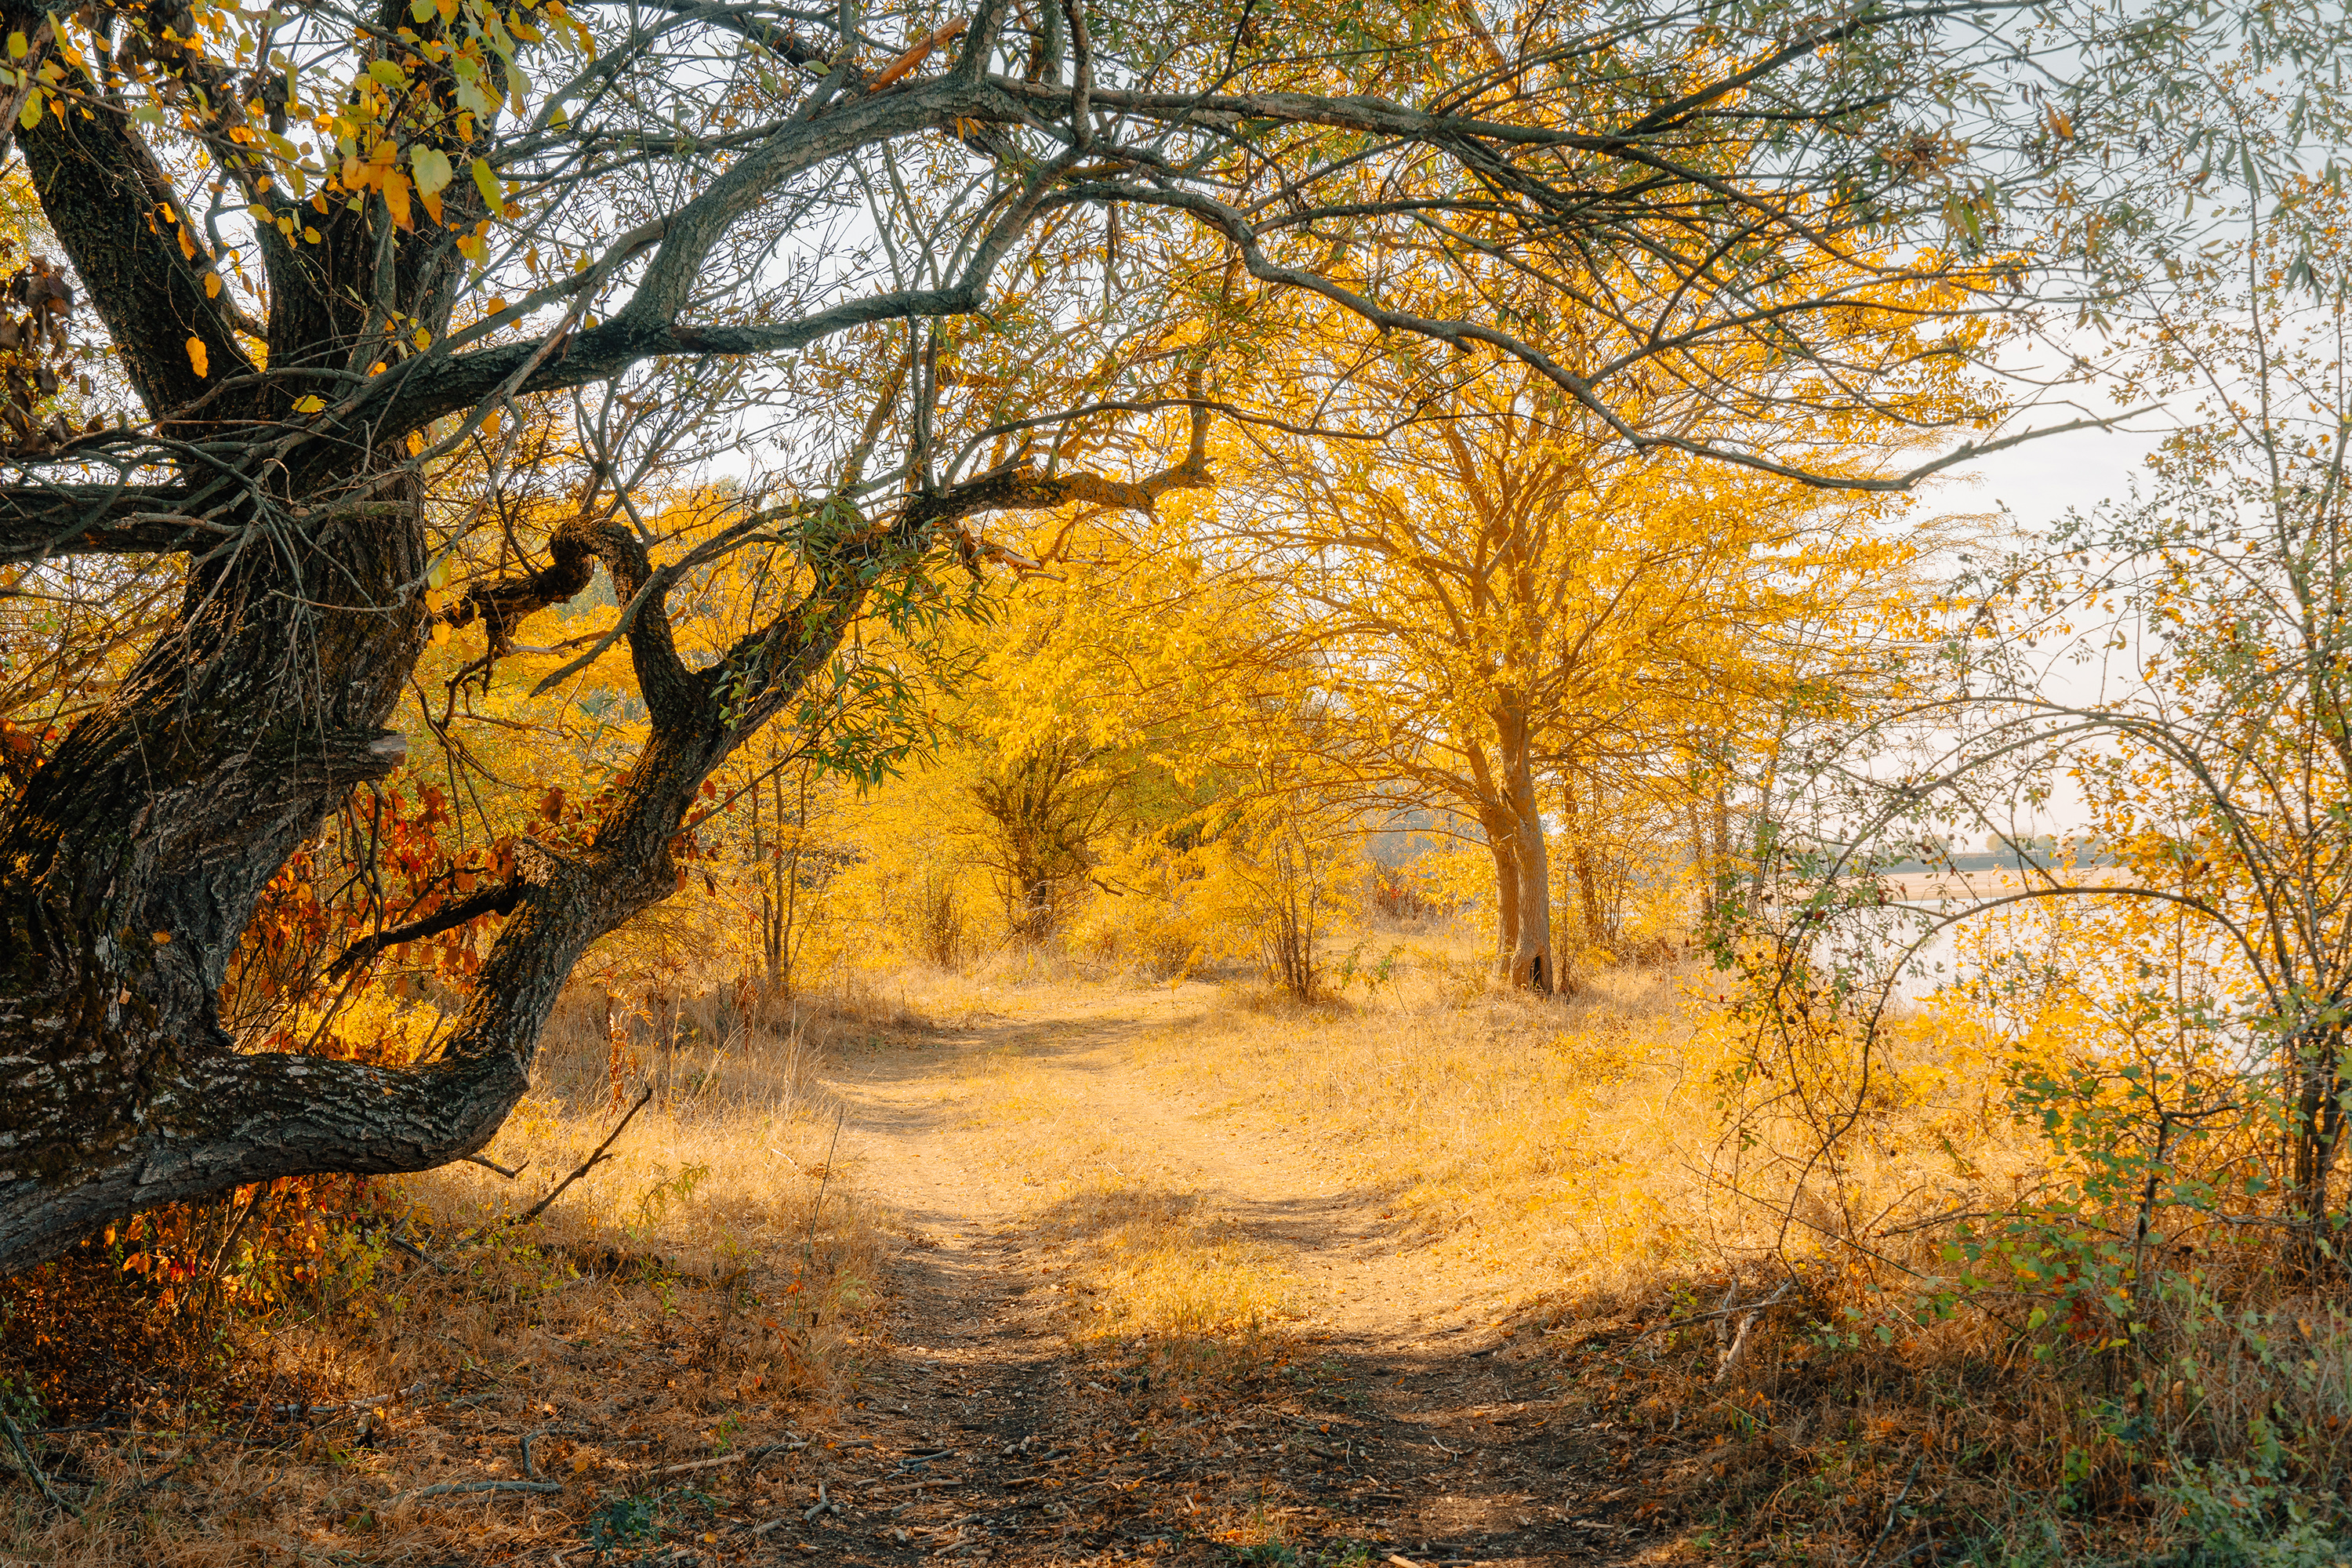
(1367, 1280)
(1405, 1423)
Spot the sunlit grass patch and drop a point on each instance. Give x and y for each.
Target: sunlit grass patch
(1551, 1141)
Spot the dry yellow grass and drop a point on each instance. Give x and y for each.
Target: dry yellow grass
(1591, 1145)
(1547, 1140)
(686, 1296)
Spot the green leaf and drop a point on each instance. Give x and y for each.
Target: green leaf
(432, 167)
(388, 74)
(486, 180)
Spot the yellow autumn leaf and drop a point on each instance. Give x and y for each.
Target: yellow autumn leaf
(311, 404)
(198, 358)
(395, 197)
(212, 285)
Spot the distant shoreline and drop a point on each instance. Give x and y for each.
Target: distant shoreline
(1993, 882)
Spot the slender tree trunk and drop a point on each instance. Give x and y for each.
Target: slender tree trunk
(1588, 894)
(1578, 823)
(1702, 866)
(791, 924)
(2319, 1124)
(1722, 834)
(1506, 889)
(1531, 958)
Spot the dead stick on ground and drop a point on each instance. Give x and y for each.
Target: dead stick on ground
(586, 1166)
(417, 1252)
(451, 1488)
(758, 1453)
(1894, 1508)
(25, 1457)
(1773, 1301)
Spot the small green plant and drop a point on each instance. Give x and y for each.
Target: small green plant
(622, 1521)
(2243, 1517)
(20, 1406)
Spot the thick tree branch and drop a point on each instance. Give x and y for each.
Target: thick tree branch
(38, 522)
(136, 246)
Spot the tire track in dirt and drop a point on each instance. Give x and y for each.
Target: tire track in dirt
(1406, 1426)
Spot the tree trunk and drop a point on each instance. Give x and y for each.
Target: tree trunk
(1702, 867)
(136, 856)
(1588, 894)
(1499, 844)
(1577, 824)
(1531, 956)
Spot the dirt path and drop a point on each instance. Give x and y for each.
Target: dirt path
(1399, 1422)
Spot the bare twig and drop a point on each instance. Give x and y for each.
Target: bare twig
(808, 1247)
(586, 1166)
(369, 1402)
(494, 1165)
(417, 1252)
(1894, 1508)
(1773, 1301)
(1738, 1347)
